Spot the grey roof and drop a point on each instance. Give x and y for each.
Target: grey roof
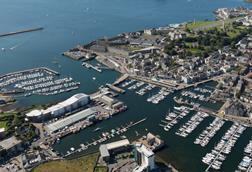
(9, 143)
(70, 120)
(105, 148)
(104, 151)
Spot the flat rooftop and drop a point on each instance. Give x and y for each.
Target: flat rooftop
(9, 143)
(143, 149)
(118, 144)
(105, 148)
(62, 123)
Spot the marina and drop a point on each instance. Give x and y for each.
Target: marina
(209, 132)
(37, 81)
(223, 148)
(161, 95)
(193, 95)
(246, 163)
(172, 117)
(144, 90)
(190, 125)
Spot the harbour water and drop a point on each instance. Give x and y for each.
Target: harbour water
(67, 23)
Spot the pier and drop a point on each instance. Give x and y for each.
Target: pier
(121, 79)
(21, 31)
(117, 89)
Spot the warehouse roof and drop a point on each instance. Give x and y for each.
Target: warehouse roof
(34, 113)
(70, 120)
(118, 144)
(104, 151)
(59, 106)
(105, 148)
(9, 143)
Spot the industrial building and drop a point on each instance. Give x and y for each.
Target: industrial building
(10, 147)
(144, 158)
(107, 100)
(69, 105)
(88, 114)
(106, 150)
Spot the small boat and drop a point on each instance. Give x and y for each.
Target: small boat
(97, 129)
(94, 78)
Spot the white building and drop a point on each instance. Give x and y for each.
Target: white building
(69, 105)
(144, 158)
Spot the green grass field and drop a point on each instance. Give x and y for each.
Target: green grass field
(208, 24)
(85, 163)
(202, 24)
(3, 124)
(100, 169)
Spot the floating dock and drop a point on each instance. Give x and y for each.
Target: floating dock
(21, 31)
(87, 65)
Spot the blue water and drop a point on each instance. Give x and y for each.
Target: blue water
(70, 22)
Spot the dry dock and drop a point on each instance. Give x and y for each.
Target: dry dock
(21, 31)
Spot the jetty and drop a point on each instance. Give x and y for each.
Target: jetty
(121, 79)
(117, 89)
(21, 31)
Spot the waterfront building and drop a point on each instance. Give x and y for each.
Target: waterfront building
(153, 142)
(107, 100)
(106, 150)
(87, 114)
(144, 158)
(69, 105)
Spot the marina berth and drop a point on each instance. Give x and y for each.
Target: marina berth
(206, 135)
(246, 162)
(37, 81)
(219, 153)
(172, 118)
(190, 125)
